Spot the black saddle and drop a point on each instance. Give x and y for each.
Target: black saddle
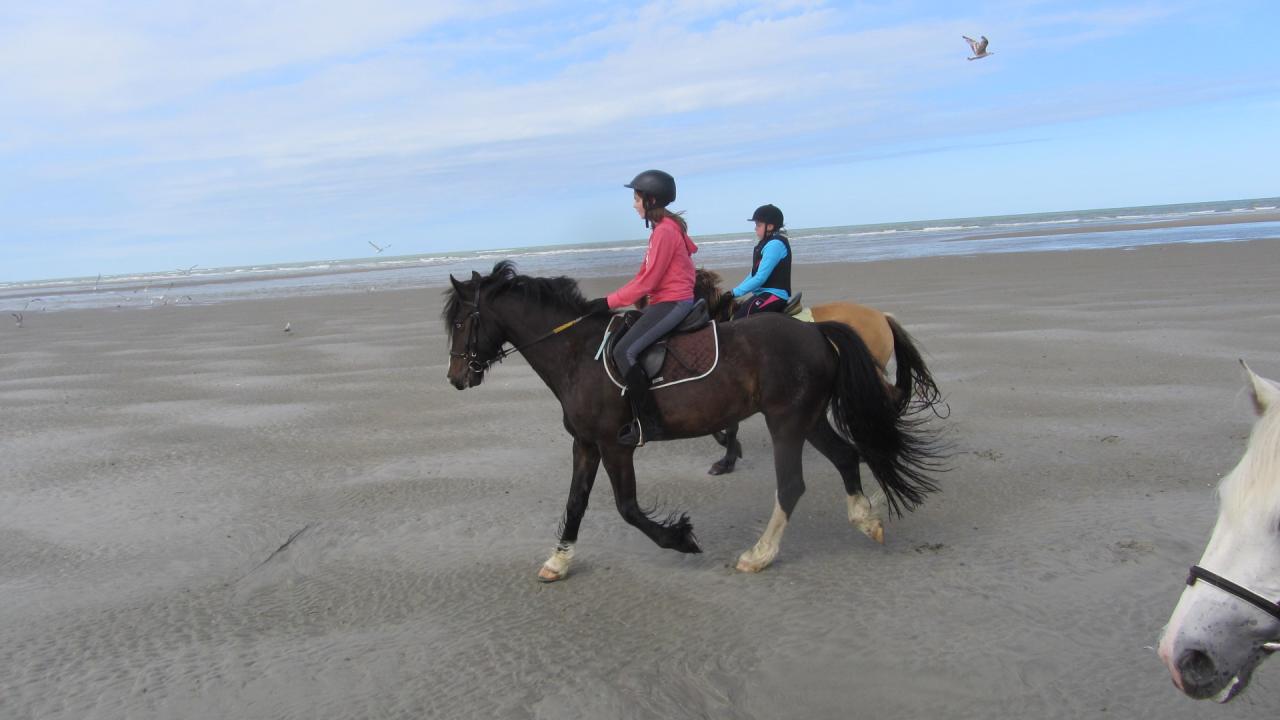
(653, 357)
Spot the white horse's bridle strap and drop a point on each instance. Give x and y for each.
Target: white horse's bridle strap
(1239, 591)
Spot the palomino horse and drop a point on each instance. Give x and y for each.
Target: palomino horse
(791, 372)
(885, 338)
(1227, 621)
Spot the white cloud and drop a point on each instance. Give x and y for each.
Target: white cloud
(222, 113)
(89, 57)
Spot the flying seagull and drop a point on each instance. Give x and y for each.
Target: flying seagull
(978, 46)
(376, 247)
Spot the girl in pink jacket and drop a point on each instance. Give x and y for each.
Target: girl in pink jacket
(666, 278)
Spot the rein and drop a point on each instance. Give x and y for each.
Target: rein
(1238, 591)
(474, 363)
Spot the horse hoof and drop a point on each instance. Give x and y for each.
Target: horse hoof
(874, 530)
(863, 518)
(753, 562)
(720, 468)
(547, 575)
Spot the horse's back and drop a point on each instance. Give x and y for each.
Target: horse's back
(778, 337)
(870, 324)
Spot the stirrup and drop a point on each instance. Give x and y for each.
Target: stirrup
(631, 434)
(635, 434)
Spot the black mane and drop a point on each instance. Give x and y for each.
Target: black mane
(557, 291)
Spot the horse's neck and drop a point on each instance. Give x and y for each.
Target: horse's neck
(712, 294)
(525, 328)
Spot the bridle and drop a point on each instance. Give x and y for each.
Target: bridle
(471, 348)
(1238, 591)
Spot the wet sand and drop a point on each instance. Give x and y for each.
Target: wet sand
(156, 461)
(1205, 220)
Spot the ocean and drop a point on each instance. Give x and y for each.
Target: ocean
(1204, 222)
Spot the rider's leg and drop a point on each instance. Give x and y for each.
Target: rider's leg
(658, 320)
(762, 302)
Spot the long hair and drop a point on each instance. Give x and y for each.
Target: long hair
(654, 216)
(915, 383)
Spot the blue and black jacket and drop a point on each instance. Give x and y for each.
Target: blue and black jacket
(770, 268)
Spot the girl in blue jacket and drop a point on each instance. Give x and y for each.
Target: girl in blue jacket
(770, 280)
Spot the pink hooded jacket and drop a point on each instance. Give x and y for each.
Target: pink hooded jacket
(666, 275)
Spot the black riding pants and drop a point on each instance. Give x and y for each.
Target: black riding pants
(761, 302)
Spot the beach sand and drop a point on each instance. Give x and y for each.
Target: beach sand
(156, 461)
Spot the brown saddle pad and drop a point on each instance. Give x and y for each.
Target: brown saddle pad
(676, 358)
(689, 355)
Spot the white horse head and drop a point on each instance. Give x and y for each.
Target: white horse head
(1218, 634)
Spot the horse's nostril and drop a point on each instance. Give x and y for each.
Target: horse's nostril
(1195, 662)
(1197, 670)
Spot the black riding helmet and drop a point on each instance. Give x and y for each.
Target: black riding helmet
(657, 187)
(769, 215)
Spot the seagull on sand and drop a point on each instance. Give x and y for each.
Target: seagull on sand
(978, 46)
(376, 247)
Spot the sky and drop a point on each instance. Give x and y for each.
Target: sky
(142, 137)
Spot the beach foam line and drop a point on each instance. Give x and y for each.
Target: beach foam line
(950, 228)
(1041, 222)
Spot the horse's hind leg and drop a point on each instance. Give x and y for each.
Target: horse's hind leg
(845, 457)
(586, 461)
(675, 533)
(727, 437)
(787, 452)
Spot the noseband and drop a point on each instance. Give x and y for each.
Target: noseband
(471, 351)
(1238, 591)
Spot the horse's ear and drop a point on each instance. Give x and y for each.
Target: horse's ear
(457, 286)
(475, 277)
(1263, 392)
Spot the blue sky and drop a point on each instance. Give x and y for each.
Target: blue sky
(143, 137)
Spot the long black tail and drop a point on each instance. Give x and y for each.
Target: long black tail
(916, 388)
(899, 451)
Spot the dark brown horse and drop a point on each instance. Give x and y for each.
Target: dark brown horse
(792, 372)
(914, 387)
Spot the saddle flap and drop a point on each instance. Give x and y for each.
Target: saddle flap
(653, 358)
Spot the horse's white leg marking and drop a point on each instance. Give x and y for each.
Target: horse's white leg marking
(557, 566)
(766, 548)
(863, 518)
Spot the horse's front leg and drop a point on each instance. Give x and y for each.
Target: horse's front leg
(727, 437)
(675, 533)
(787, 455)
(846, 459)
(586, 461)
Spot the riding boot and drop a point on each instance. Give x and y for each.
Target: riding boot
(645, 425)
